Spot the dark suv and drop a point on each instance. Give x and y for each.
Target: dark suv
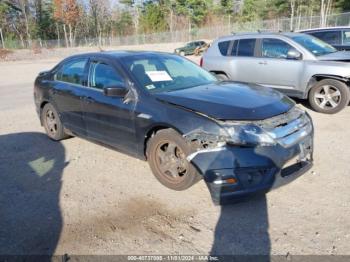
(339, 37)
(189, 48)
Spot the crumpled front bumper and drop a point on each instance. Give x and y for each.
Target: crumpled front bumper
(234, 173)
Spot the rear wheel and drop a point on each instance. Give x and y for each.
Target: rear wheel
(221, 77)
(52, 123)
(329, 96)
(166, 153)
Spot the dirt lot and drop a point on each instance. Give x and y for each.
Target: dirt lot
(76, 197)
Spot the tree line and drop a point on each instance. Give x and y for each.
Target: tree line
(68, 20)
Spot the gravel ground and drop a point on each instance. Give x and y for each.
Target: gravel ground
(77, 197)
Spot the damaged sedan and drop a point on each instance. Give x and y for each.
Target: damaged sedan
(241, 139)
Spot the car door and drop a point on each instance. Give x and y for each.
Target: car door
(276, 69)
(243, 61)
(110, 120)
(68, 85)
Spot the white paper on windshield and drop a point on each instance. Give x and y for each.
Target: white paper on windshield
(149, 87)
(158, 76)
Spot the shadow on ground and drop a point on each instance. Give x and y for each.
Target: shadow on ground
(31, 168)
(242, 229)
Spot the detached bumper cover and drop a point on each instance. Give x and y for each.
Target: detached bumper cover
(253, 170)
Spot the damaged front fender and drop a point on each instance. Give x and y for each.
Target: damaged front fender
(235, 172)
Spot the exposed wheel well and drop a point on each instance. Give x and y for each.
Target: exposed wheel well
(318, 78)
(41, 108)
(219, 72)
(151, 133)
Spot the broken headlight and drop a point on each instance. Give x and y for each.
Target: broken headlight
(248, 134)
(237, 134)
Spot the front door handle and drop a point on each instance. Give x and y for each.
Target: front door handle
(263, 63)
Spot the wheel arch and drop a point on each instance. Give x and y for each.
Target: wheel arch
(319, 77)
(218, 72)
(42, 104)
(151, 131)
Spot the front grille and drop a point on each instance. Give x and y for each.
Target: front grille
(288, 129)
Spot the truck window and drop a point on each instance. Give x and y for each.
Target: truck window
(330, 37)
(246, 47)
(223, 47)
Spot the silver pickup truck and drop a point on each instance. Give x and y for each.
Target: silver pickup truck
(296, 64)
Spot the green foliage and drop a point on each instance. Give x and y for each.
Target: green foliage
(124, 24)
(153, 18)
(96, 18)
(197, 10)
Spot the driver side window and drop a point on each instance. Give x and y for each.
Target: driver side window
(102, 75)
(275, 48)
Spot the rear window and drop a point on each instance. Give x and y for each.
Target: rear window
(72, 71)
(246, 47)
(223, 47)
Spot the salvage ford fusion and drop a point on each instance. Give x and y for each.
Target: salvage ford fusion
(240, 138)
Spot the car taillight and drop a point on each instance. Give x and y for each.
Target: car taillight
(201, 62)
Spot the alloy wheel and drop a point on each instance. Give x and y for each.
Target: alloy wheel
(51, 122)
(171, 161)
(327, 97)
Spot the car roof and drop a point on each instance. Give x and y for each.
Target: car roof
(326, 29)
(255, 34)
(118, 54)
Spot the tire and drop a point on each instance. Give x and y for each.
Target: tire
(221, 77)
(52, 123)
(329, 96)
(166, 154)
(182, 53)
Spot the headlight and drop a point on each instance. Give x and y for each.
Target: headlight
(248, 134)
(238, 134)
(286, 129)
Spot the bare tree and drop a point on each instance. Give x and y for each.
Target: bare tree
(292, 14)
(326, 6)
(24, 9)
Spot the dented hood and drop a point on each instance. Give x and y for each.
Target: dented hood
(230, 101)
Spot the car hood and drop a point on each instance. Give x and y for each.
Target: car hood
(336, 56)
(230, 101)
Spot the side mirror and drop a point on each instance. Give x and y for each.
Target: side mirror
(294, 54)
(115, 91)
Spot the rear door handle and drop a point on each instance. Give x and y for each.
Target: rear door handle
(87, 99)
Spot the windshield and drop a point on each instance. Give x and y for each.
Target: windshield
(165, 73)
(314, 45)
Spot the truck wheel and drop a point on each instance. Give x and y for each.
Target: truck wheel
(166, 152)
(182, 53)
(329, 96)
(221, 77)
(52, 123)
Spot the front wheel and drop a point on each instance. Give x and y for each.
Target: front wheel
(182, 53)
(329, 96)
(166, 153)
